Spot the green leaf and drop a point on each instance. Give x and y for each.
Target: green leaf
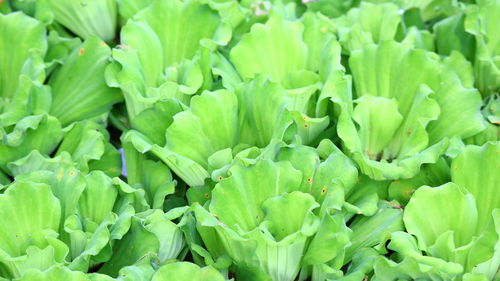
(331, 8)
(128, 250)
(261, 112)
(376, 130)
(330, 242)
(368, 23)
(414, 265)
(275, 208)
(154, 121)
(457, 85)
(185, 271)
(78, 87)
(191, 23)
(451, 36)
(244, 188)
(151, 232)
(324, 170)
(481, 21)
(267, 190)
(427, 202)
(474, 170)
(85, 19)
(28, 241)
(270, 45)
(423, 101)
(219, 120)
(21, 48)
(36, 132)
(149, 67)
(88, 144)
(55, 273)
(59, 173)
(128, 8)
(369, 231)
(430, 174)
(214, 115)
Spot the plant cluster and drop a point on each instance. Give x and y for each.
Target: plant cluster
(249, 140)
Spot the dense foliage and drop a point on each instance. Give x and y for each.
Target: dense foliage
(249, 140)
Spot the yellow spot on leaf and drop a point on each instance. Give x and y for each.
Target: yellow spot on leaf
(60, 174)
(309, 180)
(324, 29)
(72, 173)
(103, 44)
(81, 52)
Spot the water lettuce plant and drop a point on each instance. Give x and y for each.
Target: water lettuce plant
(249, 140)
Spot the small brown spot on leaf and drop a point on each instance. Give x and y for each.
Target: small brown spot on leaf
(323, 191)
(206, 195)
(81, 52)
(220, 178)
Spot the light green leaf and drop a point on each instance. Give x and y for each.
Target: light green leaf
(36, 132)
(420, 101)
(330, 242)
(185, 271)
(55, 273)
(261, 112)
(427, 202)
(376, 130)
(187, 33)
(481, 21)
(28, 241)
(88, 144)
(268, 46)
(451, 36)
(475, 169)
(94, 17)
(414, 265)
(214, 115)
(128, 251)
(244, 188)
(369, 231)
(368, 23)
(78, 87)
(456, 75)
(151, 232)
(20, 49)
